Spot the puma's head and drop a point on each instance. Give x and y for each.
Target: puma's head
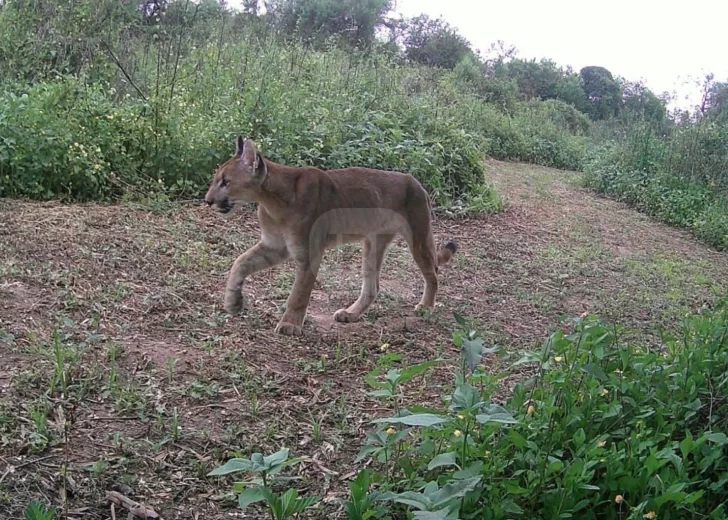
(239, 179)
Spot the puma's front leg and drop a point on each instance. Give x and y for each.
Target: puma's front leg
(260, 256)
(292, 321)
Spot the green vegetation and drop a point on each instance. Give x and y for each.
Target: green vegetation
(104, 100)
(601, 429)
(108, 99)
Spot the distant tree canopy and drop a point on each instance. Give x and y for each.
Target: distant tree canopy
(639, 102)
(352, 21)
(602, 92)
(434, 42)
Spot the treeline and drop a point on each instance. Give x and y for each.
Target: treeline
(103, 98)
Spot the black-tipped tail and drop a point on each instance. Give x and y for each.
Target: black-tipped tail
(446, 252)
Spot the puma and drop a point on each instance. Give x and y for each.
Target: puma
(304, 211)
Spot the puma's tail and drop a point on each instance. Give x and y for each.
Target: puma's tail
(446, 252)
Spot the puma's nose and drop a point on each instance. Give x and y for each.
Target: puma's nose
(208, 201)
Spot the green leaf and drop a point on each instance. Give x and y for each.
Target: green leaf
(421, 419)
(495, 413)
(409, 372)
(465, 397)
(36, 510)
(440, 514)
(443, 459)
(718, 438)
(250, 496)
(686, 445)
(579, 438)
(455, 489)
(518, 440)
(472, 350)
(509, 506)
(385, 392)
(595, 371)
(589, 487)
(411, 498)
(232, 466)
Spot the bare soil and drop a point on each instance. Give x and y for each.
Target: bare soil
(118, 365)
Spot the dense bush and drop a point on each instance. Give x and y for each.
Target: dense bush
(601, 429)
(72, 139)
(632, 177)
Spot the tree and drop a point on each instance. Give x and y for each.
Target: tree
(602, 92)
(353, 22)
(434, 42)
(639, 102)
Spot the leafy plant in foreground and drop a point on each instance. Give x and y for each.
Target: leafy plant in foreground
(601, 429)
(259, 489)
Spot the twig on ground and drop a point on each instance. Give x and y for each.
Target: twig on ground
(132, 506)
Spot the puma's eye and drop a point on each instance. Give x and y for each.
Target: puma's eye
(223, 182)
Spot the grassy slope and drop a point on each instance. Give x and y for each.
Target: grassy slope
(136, 293)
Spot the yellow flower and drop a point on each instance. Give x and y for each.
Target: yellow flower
(390, 430)
(651, 515)
(601, 444)
(384, 347)
(461, 417)
(531, 409)
(619, 499)
(457, 433)
(558, 359)
(604, 392)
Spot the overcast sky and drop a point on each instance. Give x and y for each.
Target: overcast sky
(667, 46)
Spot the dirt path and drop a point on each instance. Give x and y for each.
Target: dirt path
(159, 385)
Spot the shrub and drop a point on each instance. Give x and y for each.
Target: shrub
(601, 430)
(673, 199)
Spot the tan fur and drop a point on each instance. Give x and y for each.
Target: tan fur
(304, 211)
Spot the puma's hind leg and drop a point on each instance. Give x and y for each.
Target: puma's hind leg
(372, 259)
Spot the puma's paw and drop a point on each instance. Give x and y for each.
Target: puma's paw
(288, 329)
(421, 308)
(344, 316)
(233, 302)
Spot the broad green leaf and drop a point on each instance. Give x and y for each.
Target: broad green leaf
(469, 472)
(409, 372)
(472, 352)
(464, 397)
(411, 498)
(509, 506)
(250, 496)
(718, 438)
(421, 419)
(517, 439)
(595, 371)
(495, 413)
(440, 514)
(384, 392)
(443, 459)
(232, 466)
(686, 445)
(579, 437)
(455, 489)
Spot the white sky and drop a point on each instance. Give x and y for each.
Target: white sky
(669, 47)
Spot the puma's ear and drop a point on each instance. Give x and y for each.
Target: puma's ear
(260, 169)
(239, 144)
(248, 153)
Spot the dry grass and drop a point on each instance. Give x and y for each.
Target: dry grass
(159, 385)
